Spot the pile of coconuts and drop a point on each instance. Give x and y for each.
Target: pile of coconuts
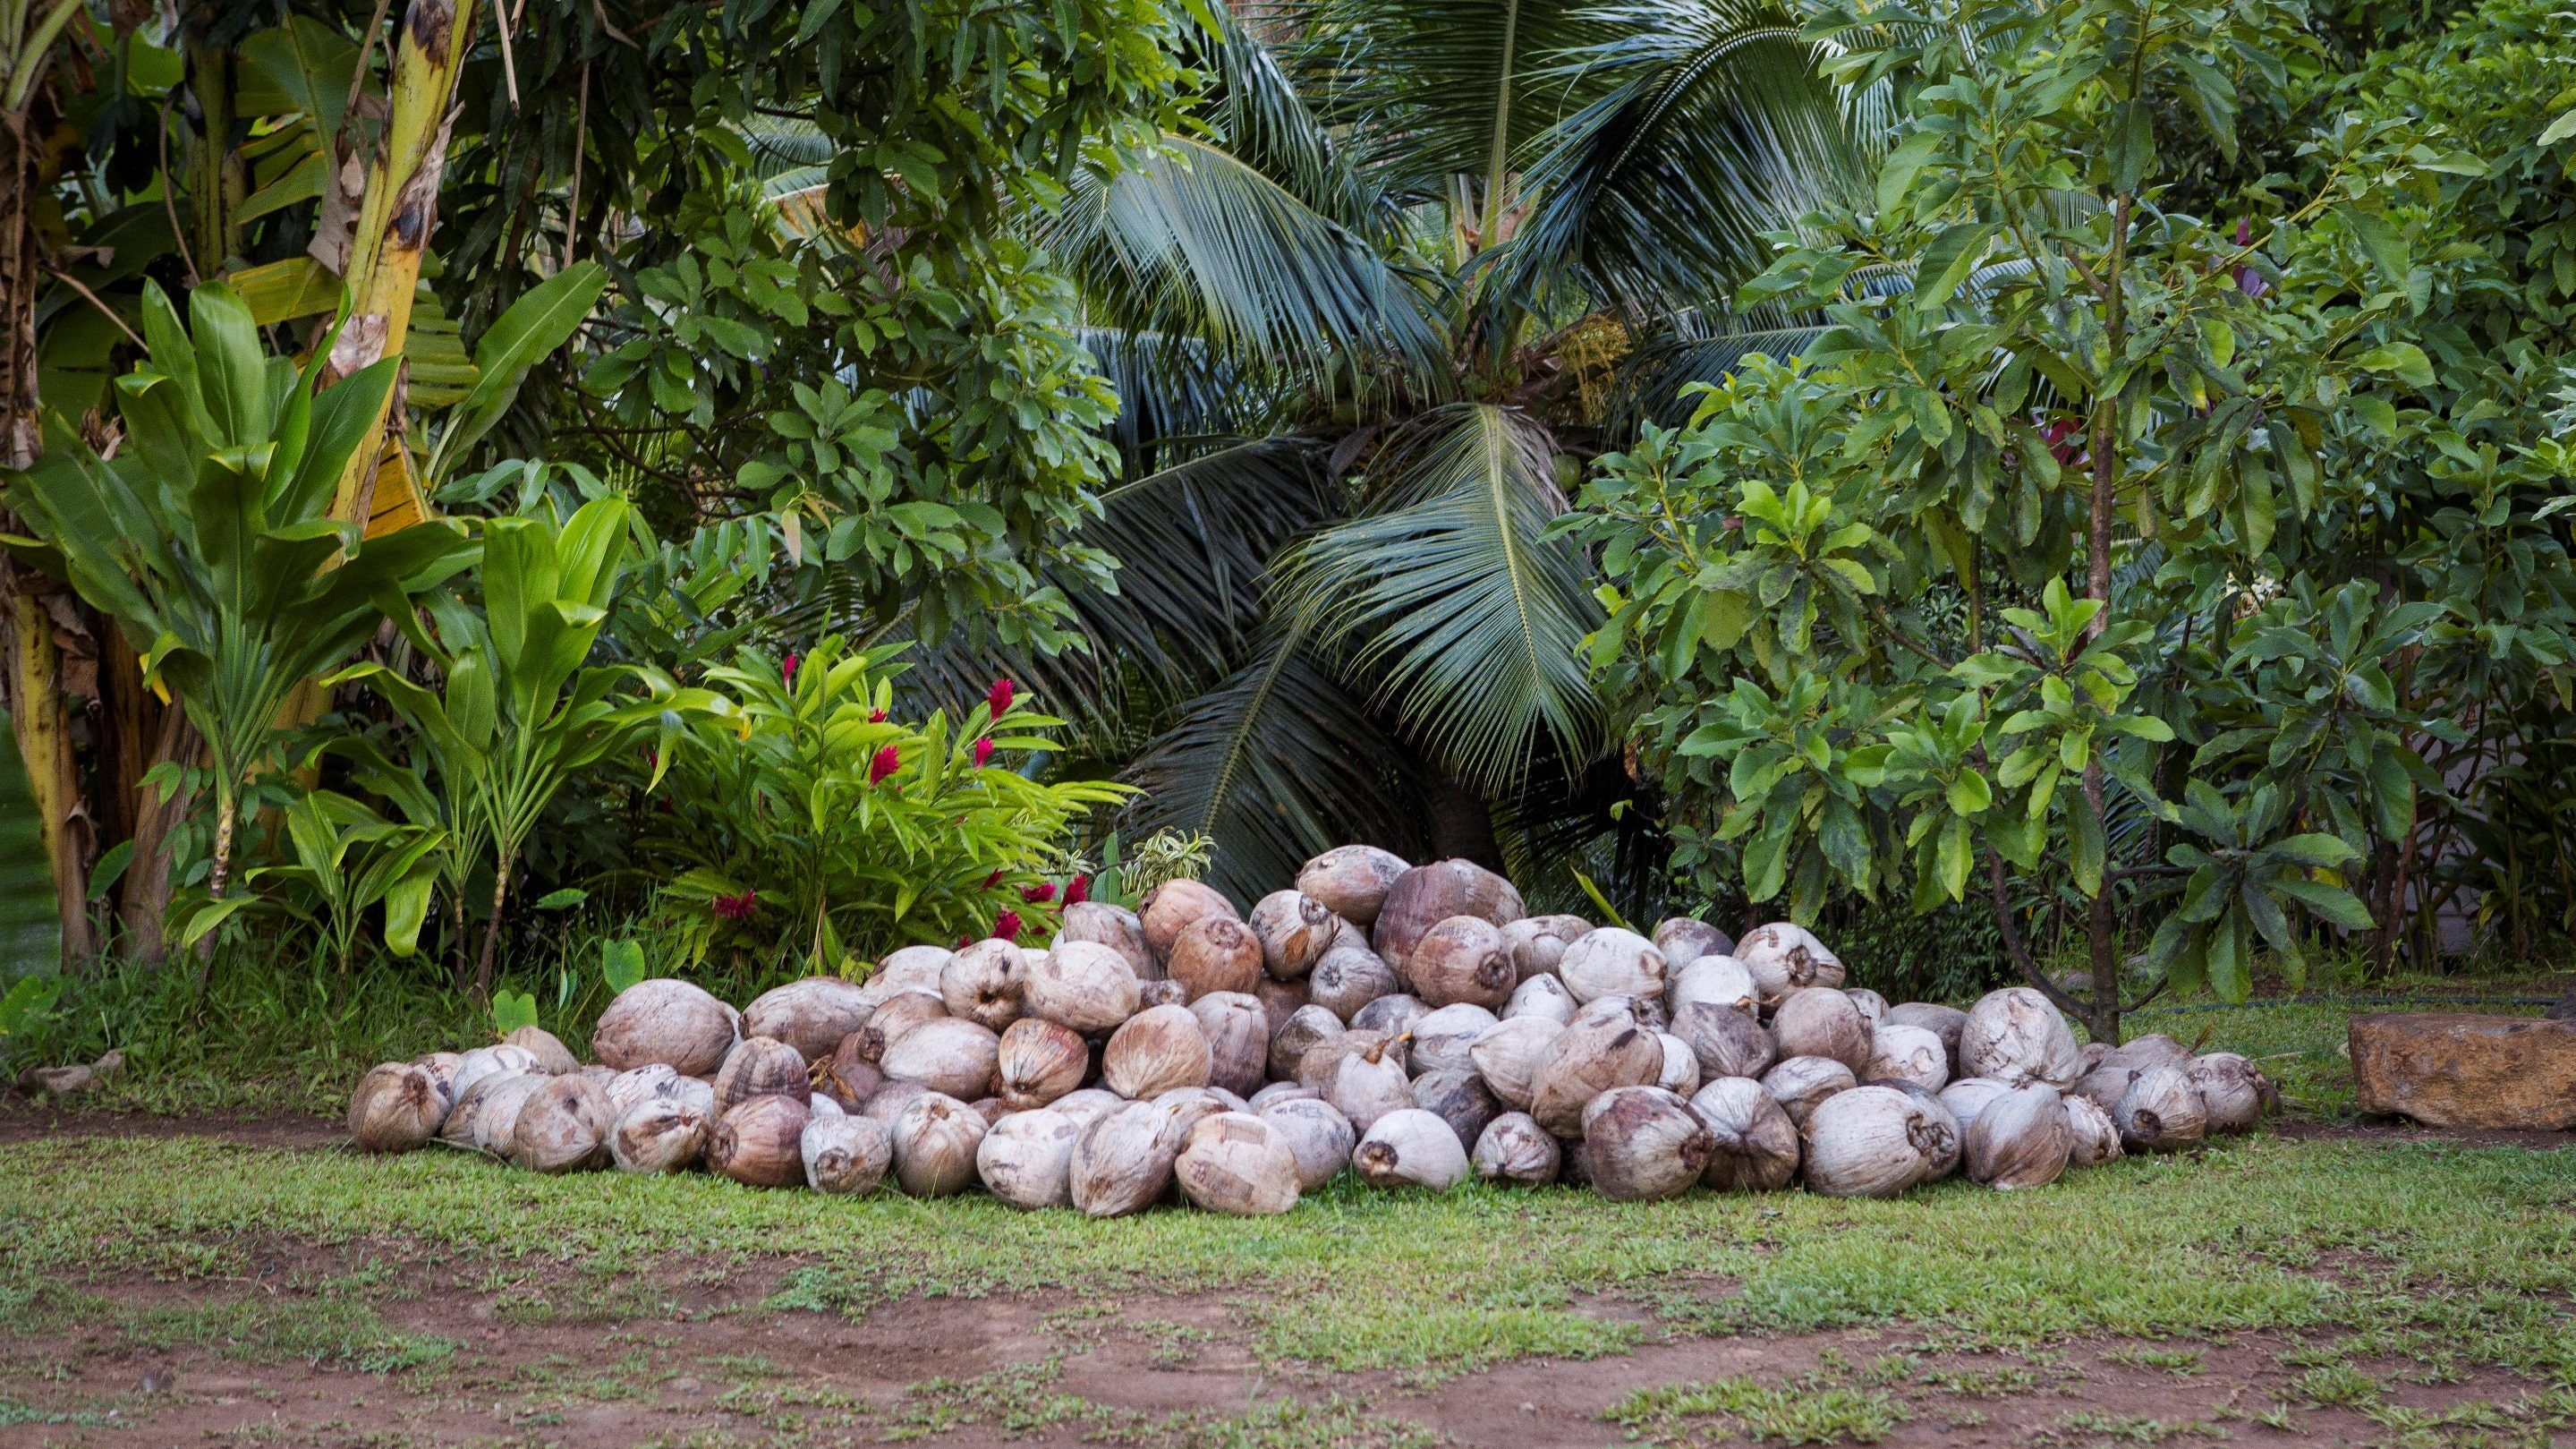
(1407, 1023)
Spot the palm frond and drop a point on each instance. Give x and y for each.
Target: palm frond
(1260, 111)
(1648, 388)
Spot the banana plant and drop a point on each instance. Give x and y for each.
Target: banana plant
(209, 538)
(347, 860)
(519, 708)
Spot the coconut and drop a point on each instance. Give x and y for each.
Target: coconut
(664, 1020)
(1317, 1065)
(1819, 1021)
(1279, 999)
(1542, 995)
(1684, 940)
(1514, 1151)
(1215, 953)
(1348, 979)
(1165, 992)
(934, 1139)
(1509, 1057)
(822, 1106)
(1122, 1162)
(1288, 1091)
(2232, 1093)
(1352, 880)
(1462, 959)
(1968, 1096)
(1612, 962)
(1038, 1061)
(1367, 1083)
(485, 1117)
(1638, 1011)
(1174, 906)
(761, 1142)
(398, 1106)
(490, 1061)
(1294, 930)
(1644, 1143)
(1716, 980)
(442, 1068)
(1080, 984)
(1908, 1053)
(1026, 1159)
(2020, 1139)
(2096, 1138)
(1727, 1042)
(550, 1055)
(894, 1017)
(947, 1054)
(1874, 1142)
(2155, 1049)
(2016, 1036)
(1319, 1137)
(1087, 1104)
(1238, 1038)
(913, 968)
(1585, 1061)
(1460, 1099)
(1395, 1015)
(1783, 957)
(2106, 1081)
(1184, 1108)
(2089, 1055)
(1442, 1040)
(1945, 1022)
(1099, 923)
(984, 983)
(1753, 1144)
(890, 1100)
(760, 1066)
(1411, 1148)
(846, 1078)
(811, 1015)
(1680, 1075)
(1305, 1027)
(1802, 1082)
(1159, 1048)
(1425, 896)
(845, 1156)
(563, 1126)
(1537, 943)
(658, 1134)
(641, 1084)
(1943, 1158)
(2161, 1112)
(991, 1109)
(1234, 1162)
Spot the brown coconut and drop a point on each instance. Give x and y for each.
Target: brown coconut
(553, 1058)
(983, 983)
(1367, 1084)
(949, 1055)
(2020, 1139)
(1234, 1162)
(1038, 1061)
(1082, 985)
(1820, 1021)
(1754, 1145)
(1165, 992)
(1115, 927)
(1280, 999)
(1348, 979)
(665, 1020)
(1460, 1099)
(658, 1134)
(761, 1143)
(1717, 980)
(1425, 896)
(1537, 943)
(641, 1084)
(2161, 1112)
(1684, 940)
(1026, 1159)
(1945, 1022)
(1612, 962)
(1442, 1039)
(1908, 1053)
(846, 1077)
(1122, 1162)
(935, 1137)
(1680, 1075)
(1875, 1142)
(811, 1015)
(1294, 929)
(1303, 1028)
(1319, 1137)
(1215, 953)
(1411, 1148)
(1585, 1061)
(894, 1016)
(1644, 1143)
(563, 1127)
(845, 1156)
(1509, 1057)
(1463, 959)
(1352, 880)
(1176, 905)
(1968, 1096)
(1727, 1042)
(891, 1099)
(1159, 1048)
(761, 1066)
(442, 1068)
(1395, 1015)
(2095, 1137)
(2233, 1094)
(1238, 1038)
(1785, 957)
(1317, 1065)
(398, 1106)
(494, 1105)
(2016, 1036)
(1514, 1151)
(1541, 995)
(1800, 1083)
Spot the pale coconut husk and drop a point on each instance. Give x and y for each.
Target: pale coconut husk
(485, 1117)
(1612, 962)
(895, 1016)
(822, 1106)
(1514, 1151)
(1873, 1142)
(1237, 1163)
(1967, 1098)
(949, 1055)
(1395, 1015)
(1087, 1104)
(1319, 1137)
(1945, 1155)
(1784, 957)
(1541, 995)
(1945, 1022)
(2096, 1138)
(1873, 1007)
(1639, 1011)
(398, 1106)
(550, 1055)
(665, 1020)
(846, 1076)
(1116, 927)
(1460, 1099)
(2020, 1139)
(1279, 999)
(1425, 896)
(2090, 1054)
(1753, 1144)
(1159, 1048)
(1183, 1107)
(1715, 980)
(1175, 906)
(1462, 959)
(1317, 1065)
(891, 1099)
(1442, 1039)
(1165, 992)
(913, 968)
(761, 1066)
(934, 1139)
(1538, 943)
(1238, 1038)
(1684, 940)
(1727, 1042)
(2161, 1112)
(1026, 1159)
(1305, 1027)
(2232, 1093)
(1368, 1083)
(1800, 1083)
(658, 1134)
(640, 1084)
(562, 1127)
(1352, 880)
(991, 1109)
(2106, 1081)
(2016, 1036)
(984, 982)
(1644, 1143)
(1680, 1075)
(1820, 1021)
(1215, 953)
(1509, 1057)
(442, 1068)
(845, 1156)
(761, 1142)
(1908, 1053)
(1122, 1162)
(811, 1015)
(1038, 1061)
(1348, 979)
(2155, 1049)
(1287, 1091)
(1294, 929)
(1411, 1148)
(490, 1061)
(1585, 1061)
(1082, 985)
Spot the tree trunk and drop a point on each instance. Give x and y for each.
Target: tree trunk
(143, 905)
(492, 928)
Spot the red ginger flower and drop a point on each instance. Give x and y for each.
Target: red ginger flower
(787, 670)
(983, 752)
(1077, 890)
(1006, 926)
(876, 716)
(1038, 894)
(1000, 696)
(887, 761)
(994, 879)
(736, 908)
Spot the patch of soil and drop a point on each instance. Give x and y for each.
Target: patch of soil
(25, 1120)
(2403, 1130)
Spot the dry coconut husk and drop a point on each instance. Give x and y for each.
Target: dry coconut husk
(1641, 1011)
(668, 1021)
(1026, 1159)
(1586, 1061)
(490, 1061)
(1165, 992)
(1945, 1157)
(1352, 881)
(1122, 1162)
(1425, 896)
(1644, 1143)
(1680, 1075)
(1715, 980)
(2016, 1036)
(2106, 1081)
(1316, 1066)
(2161, 1112)
(1280, 999)
(1514, 1151)
(1612, 962)
(1460, 1099)
(1462, 959)
(1967, 1098)
(1287, 1091)
(1411, 1148)
(1945, 1022)
(658, 1134)
(1175, 906)
(562, 1127)
(947, 1054)
(1099, 923)
(486, 1116)
(761, 1142)
(1800, 1083)
(1728, 1042)
(761, 1066)
(1348, 979)
(642, 1084)
(1089, 1103)
(442, 1067)
(551, 1056)
(1319, 1137)
(1083, 985)
(1185, 1107)
(1542, 995)
(822, 1106)
(1874, 1142)
(811, 1015)
(1820, 1021)
(1396, 1015)
(1238, 1038)
(2020, 1139)
(1442, 1039)
(1908, 1053)
(845, 1078)
(845, 1156)
(1237, 1163)
(890, 1100)
(913, 968)
(934, 1139)
(2232, 1093)
(1368, 1083)
(1783, 957)
(895, 1016)
(1038, 1061)
(1753, 1144)
(1294, 929)
(1159, 1048)
(1215, 953)
(2096, 1138)
(984, 982)
(1509, 1057)
(1537, 943)
(1684, 940)
(398, 1106)
(1304, 1027)
(1873, 1007)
